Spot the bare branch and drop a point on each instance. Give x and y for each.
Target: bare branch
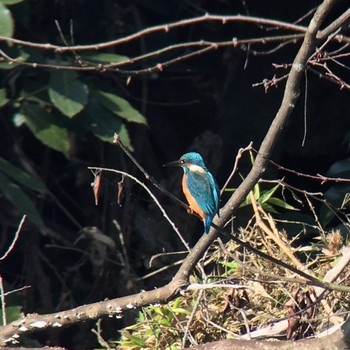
(162, 28)
(340, 22)
(8, 251)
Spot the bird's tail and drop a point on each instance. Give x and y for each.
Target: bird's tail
(207, 222)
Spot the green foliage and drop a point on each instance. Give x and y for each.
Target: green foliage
(64, 93)
(231, 267)
(46, 127)
(102, 123)
(12, 183)
(6, 21)
(20, 199)
(155, 328)
(7, 25)
(118, 106)
(21, 177)
(67, 93)
(55, 104)
(266, 199)
(98, 111)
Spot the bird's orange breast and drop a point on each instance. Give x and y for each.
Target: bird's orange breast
(190, 199)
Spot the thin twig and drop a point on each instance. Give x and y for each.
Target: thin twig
(122, 243)
(98, 333)
(318, 177)
(235, 166)
(190, 319)
(165, 28)
(340, 22)
(19, 229)
(151, 195)
(3, 302)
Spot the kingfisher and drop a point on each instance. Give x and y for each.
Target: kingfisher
(199, 187)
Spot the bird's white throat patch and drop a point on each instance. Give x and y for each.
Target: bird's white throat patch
(195, 168)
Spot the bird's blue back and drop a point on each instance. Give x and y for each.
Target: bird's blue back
(202, 186)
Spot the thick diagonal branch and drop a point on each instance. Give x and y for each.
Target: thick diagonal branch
(290, 97)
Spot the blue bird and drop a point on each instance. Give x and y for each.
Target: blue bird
(199, 187)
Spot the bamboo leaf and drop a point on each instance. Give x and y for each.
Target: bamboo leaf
(268, 194)
(282, 204)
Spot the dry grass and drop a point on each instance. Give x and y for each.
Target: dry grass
(240, 293)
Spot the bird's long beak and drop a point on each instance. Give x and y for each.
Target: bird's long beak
(174, 163)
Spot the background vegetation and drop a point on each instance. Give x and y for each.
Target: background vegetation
(56, 123)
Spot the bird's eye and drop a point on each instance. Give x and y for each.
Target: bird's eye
(182, 161)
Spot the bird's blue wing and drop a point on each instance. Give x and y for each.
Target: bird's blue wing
(204, 189)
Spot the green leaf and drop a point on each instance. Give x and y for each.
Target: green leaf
(6, 21)
(118, 106)
(180, 311)
(68, 94)
(20, 200)
(246, 202)
(103, 124)
(268, 194)
(230, 264)
(3, 98)
(256, 191)
(10, 2)
(21, 176)
(165, 322)
(136, 340)
(106, 58)
(282, 204)
(47, 128)
(269, 208)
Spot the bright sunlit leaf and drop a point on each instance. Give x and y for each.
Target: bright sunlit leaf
(6, 21)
